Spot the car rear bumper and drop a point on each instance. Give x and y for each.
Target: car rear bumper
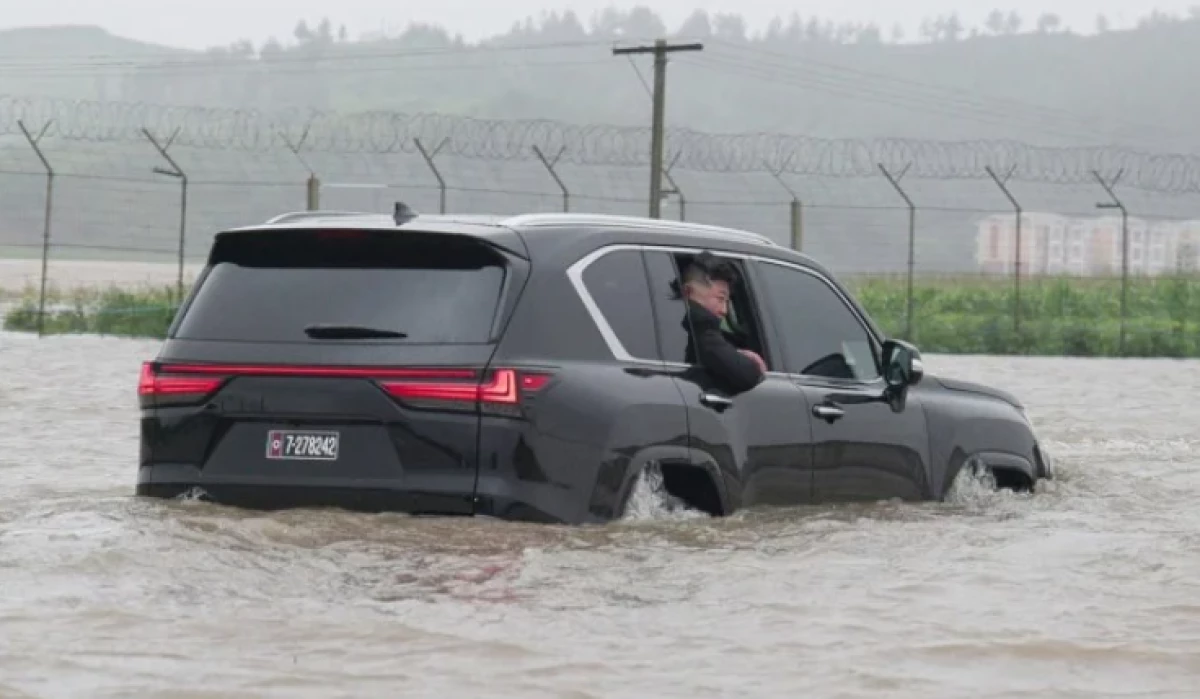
(452, 495)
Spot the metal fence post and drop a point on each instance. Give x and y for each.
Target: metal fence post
(1116, 203)
(912, 237)
(429, 156)
(796, 221)
(312, 186)
(35, 142)
(179, 174)
(1003, 185)
(795, 209)
(674, 187)
(549, 164)
(312, 200)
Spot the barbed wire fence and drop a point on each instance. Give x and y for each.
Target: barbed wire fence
(382, 133)
(121, 185)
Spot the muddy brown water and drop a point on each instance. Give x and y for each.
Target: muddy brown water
(1089, 588)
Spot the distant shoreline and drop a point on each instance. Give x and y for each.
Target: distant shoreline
(19, 274)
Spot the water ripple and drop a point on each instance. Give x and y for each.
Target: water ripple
(1087, 588)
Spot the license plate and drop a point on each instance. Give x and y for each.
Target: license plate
(303, 445)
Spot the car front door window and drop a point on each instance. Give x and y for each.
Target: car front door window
(821, 336)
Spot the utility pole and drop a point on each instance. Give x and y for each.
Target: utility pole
(660, 49)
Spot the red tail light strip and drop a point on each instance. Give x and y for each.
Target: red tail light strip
(151, 384)
(502, 388)
(454, 385)
(317, 371)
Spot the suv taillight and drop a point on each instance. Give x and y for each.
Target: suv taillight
(505, 387)
(177, 384)
(157, 388)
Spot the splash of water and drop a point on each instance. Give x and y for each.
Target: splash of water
(974, 485)
(192, 495)
(975, 489)
(650, 501)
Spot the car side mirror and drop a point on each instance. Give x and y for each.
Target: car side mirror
(902, 366)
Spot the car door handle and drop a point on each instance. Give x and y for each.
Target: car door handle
(712, 400)
(828, 412)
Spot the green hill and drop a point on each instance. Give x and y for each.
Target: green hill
(75, 62)
(1043, 86)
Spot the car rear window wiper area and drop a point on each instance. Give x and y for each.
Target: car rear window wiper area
(350, 332)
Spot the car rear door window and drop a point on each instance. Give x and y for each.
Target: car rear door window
(617, 283)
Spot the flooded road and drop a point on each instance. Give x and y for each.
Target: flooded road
(1090, 588)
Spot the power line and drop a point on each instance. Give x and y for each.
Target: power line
(794, 61)
(337, 53)
(975, 111)
(765, 71)
(316, 71)
(746, 59)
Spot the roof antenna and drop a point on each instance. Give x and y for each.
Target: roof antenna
(403, 214)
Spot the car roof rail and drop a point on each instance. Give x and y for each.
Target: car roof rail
(402, 213)
(302, 215)
(614, 220)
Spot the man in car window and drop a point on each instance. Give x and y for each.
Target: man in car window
(707, 282)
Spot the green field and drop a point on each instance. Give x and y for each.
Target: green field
(1059, 316)
(119, 311)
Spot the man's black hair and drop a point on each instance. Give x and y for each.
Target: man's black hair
(707, 267)
(704, 267)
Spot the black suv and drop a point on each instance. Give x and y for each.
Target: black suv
(531, 367)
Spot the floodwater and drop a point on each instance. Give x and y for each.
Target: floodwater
(1089, 588)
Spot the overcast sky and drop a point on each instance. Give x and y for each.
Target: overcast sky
(203, 23)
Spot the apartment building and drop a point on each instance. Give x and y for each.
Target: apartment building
(1052, 244)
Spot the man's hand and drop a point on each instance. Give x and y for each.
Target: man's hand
(762, 366)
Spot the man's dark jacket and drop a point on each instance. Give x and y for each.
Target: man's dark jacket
(708, 347)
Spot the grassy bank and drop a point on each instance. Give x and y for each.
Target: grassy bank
(121, 311)
(1059, 316)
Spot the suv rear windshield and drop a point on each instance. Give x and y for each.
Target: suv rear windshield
(269, 287)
